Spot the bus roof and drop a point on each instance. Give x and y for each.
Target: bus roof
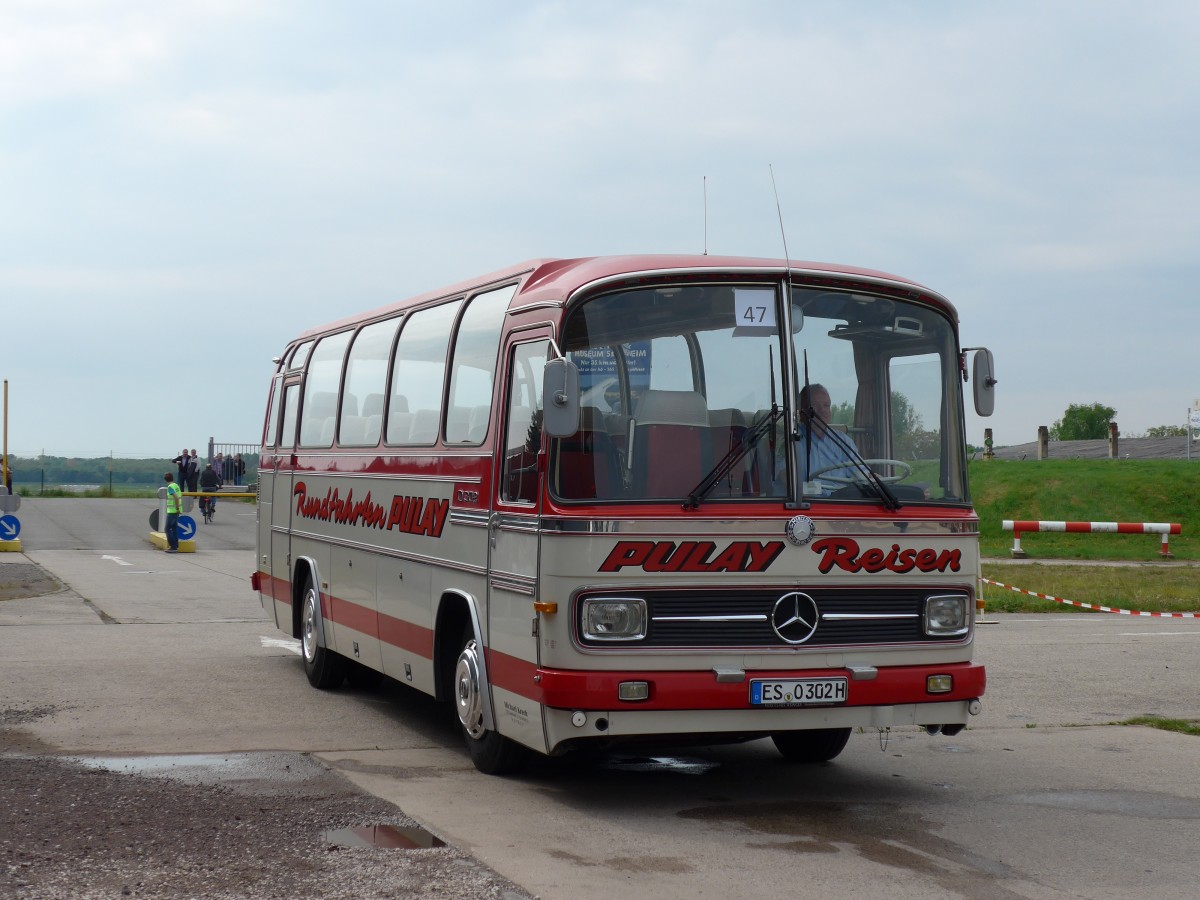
(557, 279)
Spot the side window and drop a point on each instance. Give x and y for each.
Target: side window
(361, 422)
(473, 366)
(272, 418)
(321, 391)
(415, 403)
(523, 423)
(300, 356)
(291, 405)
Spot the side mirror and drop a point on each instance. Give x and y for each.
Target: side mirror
(797, 318)
(560, 398)
(984, 372)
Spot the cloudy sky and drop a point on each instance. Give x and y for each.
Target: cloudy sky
(186, 185)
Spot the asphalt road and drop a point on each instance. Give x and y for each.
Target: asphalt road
(144, 657)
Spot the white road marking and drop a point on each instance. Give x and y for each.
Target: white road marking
(117, 560)
(281, 643)
(1156, 633)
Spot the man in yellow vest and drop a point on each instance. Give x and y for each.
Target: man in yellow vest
(174, 508)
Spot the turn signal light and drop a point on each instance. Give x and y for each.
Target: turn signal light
(545, 606)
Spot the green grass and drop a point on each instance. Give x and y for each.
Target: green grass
(1102, 490)
(1145, 588)
(1182, 726)
(123, 491)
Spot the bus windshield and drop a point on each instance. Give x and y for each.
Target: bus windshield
(683, 386)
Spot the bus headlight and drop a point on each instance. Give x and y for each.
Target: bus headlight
(946, 615)
(614, 619)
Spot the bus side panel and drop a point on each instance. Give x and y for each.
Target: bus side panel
(262, 563)
(352, 598)
(405, 597)
(280, 543)
(512, 667)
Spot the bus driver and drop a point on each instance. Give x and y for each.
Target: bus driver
(817, 446)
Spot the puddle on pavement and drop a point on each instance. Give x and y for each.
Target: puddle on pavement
(1142, 804)
(684, 765)
(384, 837)
(210, 768)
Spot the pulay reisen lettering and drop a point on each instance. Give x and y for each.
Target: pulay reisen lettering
(692, 556)
(413, 515)
(845, 554)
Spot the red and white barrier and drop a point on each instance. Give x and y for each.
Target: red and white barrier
(1108, 609)
(1164, 528)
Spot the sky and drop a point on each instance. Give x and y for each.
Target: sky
(186, 186)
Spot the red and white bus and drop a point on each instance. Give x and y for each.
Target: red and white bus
(584, 501)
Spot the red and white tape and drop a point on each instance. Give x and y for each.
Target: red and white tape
(1107, 609)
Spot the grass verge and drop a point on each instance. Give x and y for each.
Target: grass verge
(1144, 588)
(1181, 726)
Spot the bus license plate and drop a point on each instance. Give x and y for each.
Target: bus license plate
(797, 691)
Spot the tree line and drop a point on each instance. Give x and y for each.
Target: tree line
(1089, 422)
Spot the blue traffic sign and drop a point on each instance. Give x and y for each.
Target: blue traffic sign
(10, 527)
(187, 528)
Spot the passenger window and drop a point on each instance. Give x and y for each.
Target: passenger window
(300, 356)
(361, 421)
(321, 391)
(291, 404)
(419, 374)
(269, 437)
(473, 366)
(523, 424)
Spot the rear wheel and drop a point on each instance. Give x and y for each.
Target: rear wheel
(324, 668)
(491, 752)
(818, 745)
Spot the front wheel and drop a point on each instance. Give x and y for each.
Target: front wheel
(817, 745)
(324, 668)
(492, 753)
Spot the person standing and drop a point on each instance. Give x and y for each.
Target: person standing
(181, 465)
(239, 469)
(174, 508)
(193, 473)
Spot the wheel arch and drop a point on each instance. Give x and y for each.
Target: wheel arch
(456, 611)
(306, 566)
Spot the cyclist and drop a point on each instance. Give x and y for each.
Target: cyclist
(209, 481)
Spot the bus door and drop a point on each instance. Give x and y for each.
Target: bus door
(514, 542)
(282, 475)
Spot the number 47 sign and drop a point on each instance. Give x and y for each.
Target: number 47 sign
(754, 311)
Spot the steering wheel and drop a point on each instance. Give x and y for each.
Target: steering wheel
(905, 468)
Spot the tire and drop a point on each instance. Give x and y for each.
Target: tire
(492, 753)
(818, 745)
(324, 668)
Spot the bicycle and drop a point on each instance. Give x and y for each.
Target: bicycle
(208, 508)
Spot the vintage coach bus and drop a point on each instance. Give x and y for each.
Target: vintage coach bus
(592, 500)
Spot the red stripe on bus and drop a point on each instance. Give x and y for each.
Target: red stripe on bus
(405, 635)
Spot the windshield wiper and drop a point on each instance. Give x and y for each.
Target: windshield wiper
(736, 454)
(856, 462)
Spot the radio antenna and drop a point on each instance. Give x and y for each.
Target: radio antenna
(706, 215)
(779, 211)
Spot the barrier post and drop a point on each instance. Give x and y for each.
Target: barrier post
(1017, 552)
